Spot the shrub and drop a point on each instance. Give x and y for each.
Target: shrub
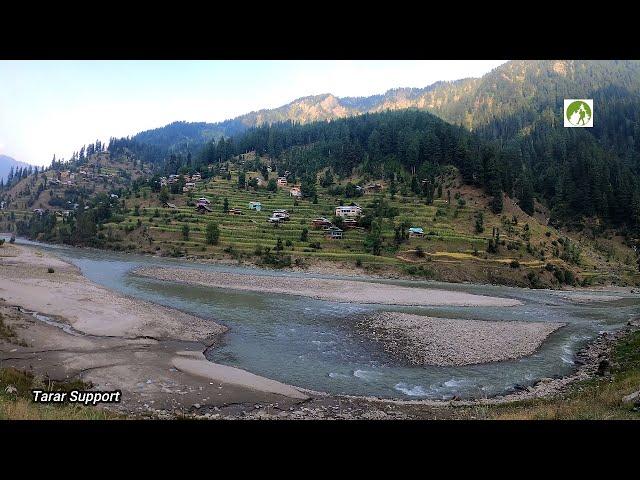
(50, 270)
(514, 263)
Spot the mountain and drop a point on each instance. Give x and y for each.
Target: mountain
(504, 103)
(576, 173)
(177, 136)
(6, 163)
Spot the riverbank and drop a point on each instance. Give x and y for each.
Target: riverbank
(168, 377)
(335, 290)
(153, 354)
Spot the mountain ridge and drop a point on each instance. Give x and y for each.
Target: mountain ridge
(6, 162)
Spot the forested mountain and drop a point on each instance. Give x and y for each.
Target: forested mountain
(180, 136)
(506, 103)
(508, 137)
(9, 164)
(177, 136)
(565, 168)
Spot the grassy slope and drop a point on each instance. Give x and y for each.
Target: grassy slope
(454, 250)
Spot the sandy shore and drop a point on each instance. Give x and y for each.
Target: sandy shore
(154, 354)
(421, 340)
(348, 291)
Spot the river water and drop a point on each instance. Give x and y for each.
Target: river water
(312, 343)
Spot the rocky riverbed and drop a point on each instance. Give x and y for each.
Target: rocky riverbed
(421, 340)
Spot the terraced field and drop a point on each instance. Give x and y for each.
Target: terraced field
(448, 228)
(451, 248)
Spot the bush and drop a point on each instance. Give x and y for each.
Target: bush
(358, 262)
(514, 264)
(50, 270)
(419, 251)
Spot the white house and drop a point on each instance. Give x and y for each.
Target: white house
(348, 211)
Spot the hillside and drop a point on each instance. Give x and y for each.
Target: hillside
(459, 229)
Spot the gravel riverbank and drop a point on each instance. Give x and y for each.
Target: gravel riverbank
(335, 290)
(421, 340)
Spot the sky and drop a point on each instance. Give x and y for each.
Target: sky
(56, 107)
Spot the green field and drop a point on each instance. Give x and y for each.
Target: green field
(449, 229)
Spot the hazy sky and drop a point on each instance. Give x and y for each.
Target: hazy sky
(55, 107)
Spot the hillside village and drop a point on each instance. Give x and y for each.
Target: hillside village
(234, 214)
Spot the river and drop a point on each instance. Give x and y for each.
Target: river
(312, 343)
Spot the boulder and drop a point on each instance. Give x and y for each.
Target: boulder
(632, 398)
(603, 366)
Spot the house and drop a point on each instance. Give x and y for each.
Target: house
(334, 233)
(373, 188)
(321, 222)
(113, 195)
(282, 181)
(283, 214)
(235, 211)
(188, 186)
(257, 206)
(39, 211)
(196, 177)
(202, 208)
(2, 204)
(352, 210)
(350, 223)
(416, 232)
(295, 192)
(274, 219)
(204, 201)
